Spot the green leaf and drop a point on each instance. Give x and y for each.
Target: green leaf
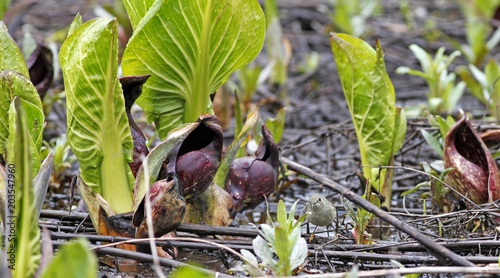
(445, 172)
(137, 9)
(220, 176)
(74, 259)
(23, 218)
(370, 97)
(11, 57)
(250, 257)
(426, 167)
(415, 189)
(77, 22)
(249, 78)
(268, 233)
(262, 250)
(238, 124)
(423, 57)
(282, 249)
(400, 132)
(293, 237)
(282, 217)
(492, 72)
(276, 125)
(14, 84)
(455, 94)
(190, 48)
(191, 272)
(291, 215)
(443, 126)
(4, 6)
(98, 130)
(34, 116)
(41, 182)
(434, 142)
(299, 254)
(275, 47)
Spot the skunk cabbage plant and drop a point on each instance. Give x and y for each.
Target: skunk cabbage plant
(190, 48)
(98, 130)
(193, 153)
(18, 97)
(380, 126)
(475, 173)
(183, 175)
(252, 178)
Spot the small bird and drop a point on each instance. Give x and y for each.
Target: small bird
(320, 211)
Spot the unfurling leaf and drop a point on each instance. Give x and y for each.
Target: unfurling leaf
(14, 84)
(475, 173)
(168, 208)
(253, 177)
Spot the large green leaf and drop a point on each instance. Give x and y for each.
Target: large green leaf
(14, 84)
(11, 57)
(73, 260)
(98, 130)
(190, 48)
(22, 218)
(371, 100)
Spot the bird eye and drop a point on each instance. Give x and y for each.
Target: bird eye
(319, 199)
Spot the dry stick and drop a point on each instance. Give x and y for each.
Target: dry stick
(436, 249)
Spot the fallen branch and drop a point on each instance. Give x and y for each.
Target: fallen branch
(439, 251)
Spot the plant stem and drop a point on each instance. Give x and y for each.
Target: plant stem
(115, 186)
(197, 103)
